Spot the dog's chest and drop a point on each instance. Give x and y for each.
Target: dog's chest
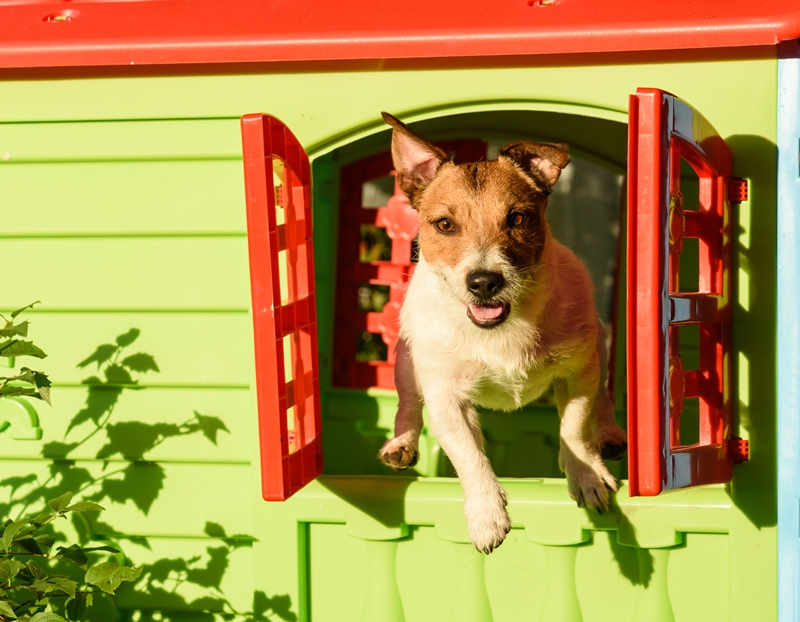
(509, 389)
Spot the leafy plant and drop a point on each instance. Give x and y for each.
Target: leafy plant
(125, 473)
(27, 589)
(12, 344)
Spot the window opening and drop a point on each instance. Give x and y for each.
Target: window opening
(377, 192)
(511, 438)
(376, 245)
(371, 347)
(372, 297)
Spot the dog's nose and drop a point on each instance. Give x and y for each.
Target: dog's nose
(484, 284)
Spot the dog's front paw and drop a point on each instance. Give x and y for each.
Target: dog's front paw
(611, 442)
(399, 453)
(589, 486)
(487, 520)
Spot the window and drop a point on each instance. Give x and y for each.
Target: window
(679, 294)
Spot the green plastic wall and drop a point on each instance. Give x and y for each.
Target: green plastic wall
(123, 208)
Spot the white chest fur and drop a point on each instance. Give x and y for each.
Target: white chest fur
(500, 368)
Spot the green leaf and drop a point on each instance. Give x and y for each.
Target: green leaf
(101, 573)
(44, 393)
(84, 506)
(108, 575)
(102, 354)
(210, 426)
(47, 616)
(11, 390)
(30, 545)
(59, 504)
(11, 531)
(45, 540)
(42, 383)
(9, 568)
(35, 608)
(25, 376)
(6, 609)
(110, 549)
(77, 607)
(140, 362)
(42, 519)
(77, 554)
(18, 311)
(36, 571)
(66, 585)
(126, 574)
(12, 330)
(17, 347)
(43, 586)
(126, 339)
(73, 553)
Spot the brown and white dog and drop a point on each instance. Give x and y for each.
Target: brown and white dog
(497, 311)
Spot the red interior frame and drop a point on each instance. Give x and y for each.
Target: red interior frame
(291, 456)
(402, 225)
(662, 131)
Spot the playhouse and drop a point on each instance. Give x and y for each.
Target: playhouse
(202, 197)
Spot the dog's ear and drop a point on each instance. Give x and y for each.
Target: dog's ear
(415, 159)
(541, 161)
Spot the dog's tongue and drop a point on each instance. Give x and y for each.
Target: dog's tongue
(486, 312)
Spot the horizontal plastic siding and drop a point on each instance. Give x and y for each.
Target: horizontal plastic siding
(138, 226)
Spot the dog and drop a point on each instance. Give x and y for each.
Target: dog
(496, 313)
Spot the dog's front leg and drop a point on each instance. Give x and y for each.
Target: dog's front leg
(610, 439)
(455, 425)
(588, 479)
(402, 451)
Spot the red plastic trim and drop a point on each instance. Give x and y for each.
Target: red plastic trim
(737, 190)
(663, 130)
(290, 458)
(90, 32)
(739, 450)
(400, 221)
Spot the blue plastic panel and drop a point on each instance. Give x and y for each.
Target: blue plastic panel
(789, 332)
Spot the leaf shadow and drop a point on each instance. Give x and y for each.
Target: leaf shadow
(130, 476)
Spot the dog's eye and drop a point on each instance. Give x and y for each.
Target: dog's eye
(445, 225)
(515, 219)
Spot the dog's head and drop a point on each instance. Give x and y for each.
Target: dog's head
(482, 224)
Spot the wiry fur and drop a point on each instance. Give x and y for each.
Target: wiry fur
(551, 335)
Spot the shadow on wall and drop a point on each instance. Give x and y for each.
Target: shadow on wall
(157, 594)
(754, 486)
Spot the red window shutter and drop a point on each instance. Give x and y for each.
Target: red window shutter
(280, 242)
(399, 220)
(663, 130)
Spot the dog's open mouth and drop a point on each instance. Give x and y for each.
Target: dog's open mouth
(488, 315)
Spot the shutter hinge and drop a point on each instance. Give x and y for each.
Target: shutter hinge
(280, 196)
(738, 450)
(737, 190)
